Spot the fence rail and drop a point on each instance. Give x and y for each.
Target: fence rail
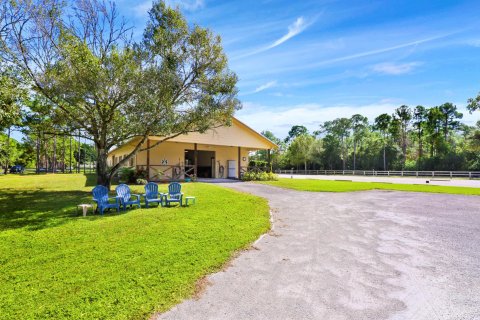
(433, 174)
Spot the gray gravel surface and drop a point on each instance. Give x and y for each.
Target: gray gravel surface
(362, 255)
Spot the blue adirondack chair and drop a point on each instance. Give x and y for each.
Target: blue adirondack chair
(152, 195)
(127, 198)
(174, 193)
(100, 196)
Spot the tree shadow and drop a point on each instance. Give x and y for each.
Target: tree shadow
(91, 180)
(40, 209)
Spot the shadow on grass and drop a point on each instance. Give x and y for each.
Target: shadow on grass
(91, 180)
(40, 209)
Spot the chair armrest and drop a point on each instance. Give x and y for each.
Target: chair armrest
(136, 195)
(118, 199)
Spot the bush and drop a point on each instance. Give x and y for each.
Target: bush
(126, 175)
(141, 181)
(141, 174)
(259, 176)
(130, 175)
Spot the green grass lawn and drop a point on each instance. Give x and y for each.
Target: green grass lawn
(55, 264)
(347, 186)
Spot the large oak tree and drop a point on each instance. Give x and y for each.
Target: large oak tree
(81, 58)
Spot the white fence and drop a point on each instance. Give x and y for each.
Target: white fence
(439, 174)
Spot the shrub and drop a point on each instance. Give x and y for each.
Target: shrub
(141, 181)
(126, 175)
(259, 176)
(141, 173)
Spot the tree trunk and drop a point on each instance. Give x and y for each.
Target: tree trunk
(54, 166)
(404, 148)
(420, 145)
(7, 158)
(37, 164)
(384, 157)
(354, 154)
(343, 157)
(103, 175)
(79, 152)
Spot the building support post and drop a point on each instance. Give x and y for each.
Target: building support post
(269, 159)
(148, 159)
(195, 159)
(239, 162)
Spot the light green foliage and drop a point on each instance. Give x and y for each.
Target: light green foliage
(11, 96)
(259, 176)
(347, 186)
(299, 151)
(12, 146)
(58, 265)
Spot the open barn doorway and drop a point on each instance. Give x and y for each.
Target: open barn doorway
(206, 162)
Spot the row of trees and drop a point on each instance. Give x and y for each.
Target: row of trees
(417, 138)
(76, 65)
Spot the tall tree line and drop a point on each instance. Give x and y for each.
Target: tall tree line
(417, 138)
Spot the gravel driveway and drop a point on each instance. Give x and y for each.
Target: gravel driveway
(362, 255)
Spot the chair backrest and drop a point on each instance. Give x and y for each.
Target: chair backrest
(123, 191)
(100, 194)
(151, 190)
(174, 188)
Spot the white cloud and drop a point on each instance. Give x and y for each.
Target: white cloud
(395, 68)
(474, 43)
(141, 10)
(293, 30)
(311, 115)
(265, 86)
(189, 5)
(279, 120)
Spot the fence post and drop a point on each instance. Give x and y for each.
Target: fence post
(450, 174)
(388, 173)
(416, 173)
(433, 173)
(402, 173)
(469, 175)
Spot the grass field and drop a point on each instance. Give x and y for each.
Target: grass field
(55, 264)
(347, 186)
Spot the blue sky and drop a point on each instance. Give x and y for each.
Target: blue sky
(305, 62)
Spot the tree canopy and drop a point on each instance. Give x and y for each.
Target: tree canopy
(99, 81)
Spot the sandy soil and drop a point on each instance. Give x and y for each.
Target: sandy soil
(363, 255)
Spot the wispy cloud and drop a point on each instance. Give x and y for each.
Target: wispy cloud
(383, 50)
(392, 68)
(474, 43)
(189, 5)
(141, 9)
(328, 62)
(294, 29)
(265, 86)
